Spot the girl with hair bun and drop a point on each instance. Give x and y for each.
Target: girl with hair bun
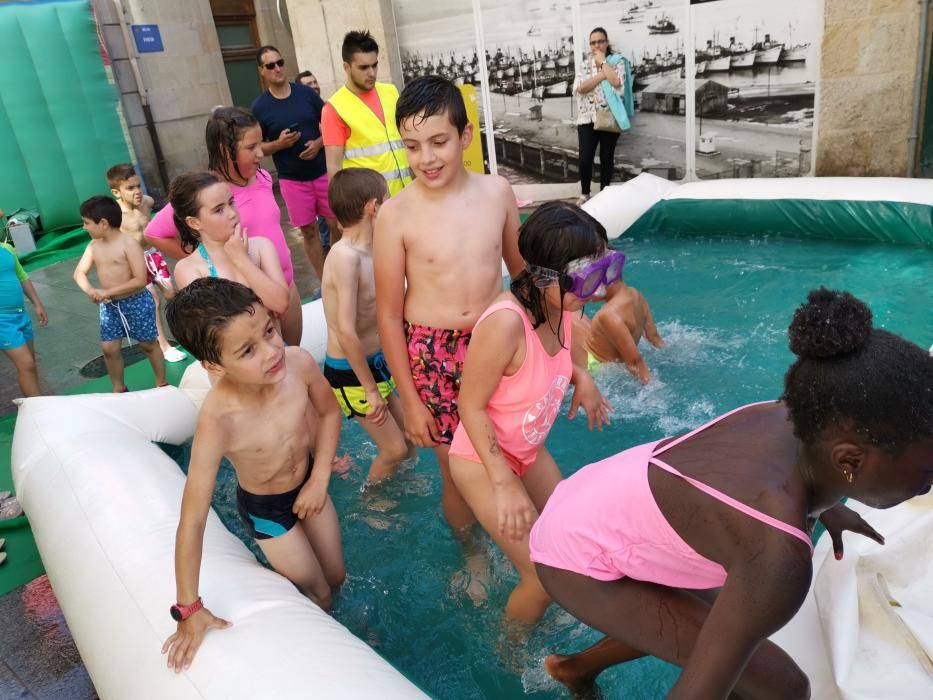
(697, 549)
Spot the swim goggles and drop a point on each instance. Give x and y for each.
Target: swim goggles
(584, 276)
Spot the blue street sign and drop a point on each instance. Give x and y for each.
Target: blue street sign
(148, 39)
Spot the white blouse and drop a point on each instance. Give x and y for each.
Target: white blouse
(594, 100)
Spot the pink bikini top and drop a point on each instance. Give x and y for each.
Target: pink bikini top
(719, 495)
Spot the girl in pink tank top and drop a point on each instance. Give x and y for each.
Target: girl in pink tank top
(625, 544)
(234, 150)
(517, 370)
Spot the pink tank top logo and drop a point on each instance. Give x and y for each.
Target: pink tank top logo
(540, 417)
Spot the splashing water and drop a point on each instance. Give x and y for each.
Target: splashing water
(433, 607)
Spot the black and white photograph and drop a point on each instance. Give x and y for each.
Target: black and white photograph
(652, 36)
(757, 66)
(529, 61)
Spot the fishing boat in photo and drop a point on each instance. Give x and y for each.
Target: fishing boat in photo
(719, 65)
(767, 52)
(795, 53)
(742, 60)
(664, 25)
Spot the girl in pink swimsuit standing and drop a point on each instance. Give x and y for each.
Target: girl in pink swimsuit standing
(234, 150)
(517, 369)
(637, 545)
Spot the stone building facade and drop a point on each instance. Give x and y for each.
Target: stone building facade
(865, 120)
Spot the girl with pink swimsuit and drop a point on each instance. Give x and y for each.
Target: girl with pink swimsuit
(696, 550)
(234, 149)
(518, 367)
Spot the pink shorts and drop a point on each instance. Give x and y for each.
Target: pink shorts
(305, 200)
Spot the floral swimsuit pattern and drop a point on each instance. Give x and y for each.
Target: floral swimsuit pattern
(436, 357)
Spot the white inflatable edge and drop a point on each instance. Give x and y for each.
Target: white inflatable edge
(866, 627)
(619, 206)
(869, 189)
(103, 502)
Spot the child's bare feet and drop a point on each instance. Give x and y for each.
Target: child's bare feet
(563, 670)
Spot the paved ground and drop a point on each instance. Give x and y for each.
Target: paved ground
(38, 658)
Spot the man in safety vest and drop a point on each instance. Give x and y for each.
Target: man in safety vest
(358, 121)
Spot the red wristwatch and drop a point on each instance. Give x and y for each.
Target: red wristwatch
(180, 612)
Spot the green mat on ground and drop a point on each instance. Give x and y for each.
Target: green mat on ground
(23, 564)
(54, 247)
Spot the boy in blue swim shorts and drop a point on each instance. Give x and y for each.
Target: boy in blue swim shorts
(15, 324)
(355, 366)
(267, 410)
(126, 308)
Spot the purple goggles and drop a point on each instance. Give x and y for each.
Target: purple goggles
(583, 277)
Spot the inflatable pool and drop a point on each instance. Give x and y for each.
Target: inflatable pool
(879, 209)
(103, 502)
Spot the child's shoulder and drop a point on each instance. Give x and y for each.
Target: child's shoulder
(492, 183)
(298, 358)
(342, 256)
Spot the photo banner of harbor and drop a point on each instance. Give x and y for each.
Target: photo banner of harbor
(756, 67)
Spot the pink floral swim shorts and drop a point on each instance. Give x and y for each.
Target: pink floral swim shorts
(436, 357)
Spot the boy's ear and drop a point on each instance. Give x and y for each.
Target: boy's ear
(115, 192)
(466, 138)
(214, 370)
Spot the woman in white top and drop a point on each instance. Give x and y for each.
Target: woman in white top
(588, 89)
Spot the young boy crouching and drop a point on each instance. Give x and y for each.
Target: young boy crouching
(258, 414)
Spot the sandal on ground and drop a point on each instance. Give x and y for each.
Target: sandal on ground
(174, 355)
(582, 199)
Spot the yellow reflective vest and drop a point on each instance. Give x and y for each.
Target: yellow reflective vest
(373, 144)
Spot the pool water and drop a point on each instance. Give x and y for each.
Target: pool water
(722, 307)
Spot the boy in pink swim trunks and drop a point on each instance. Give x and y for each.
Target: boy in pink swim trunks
(446, 234)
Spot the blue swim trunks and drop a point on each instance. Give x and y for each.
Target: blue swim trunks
(133, 317)
(269, 515)
(15, 328)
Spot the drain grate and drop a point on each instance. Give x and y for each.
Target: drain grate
(96, 367)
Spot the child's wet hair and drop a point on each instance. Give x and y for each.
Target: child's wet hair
(119, 173)
(224, 129)
(184, 195)
(554, 235)
(198, 314)
(851, 375)
(429, 95)
(351, 189)
(101, 207)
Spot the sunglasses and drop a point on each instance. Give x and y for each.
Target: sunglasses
(271, 66)
(583, 277)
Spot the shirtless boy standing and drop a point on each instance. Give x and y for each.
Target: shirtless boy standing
(126, 309)
(446, 234)
(260, 411)
(354, 365)
(126, 188)
(616, 329)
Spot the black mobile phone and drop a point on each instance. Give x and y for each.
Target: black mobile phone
(293, 126)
